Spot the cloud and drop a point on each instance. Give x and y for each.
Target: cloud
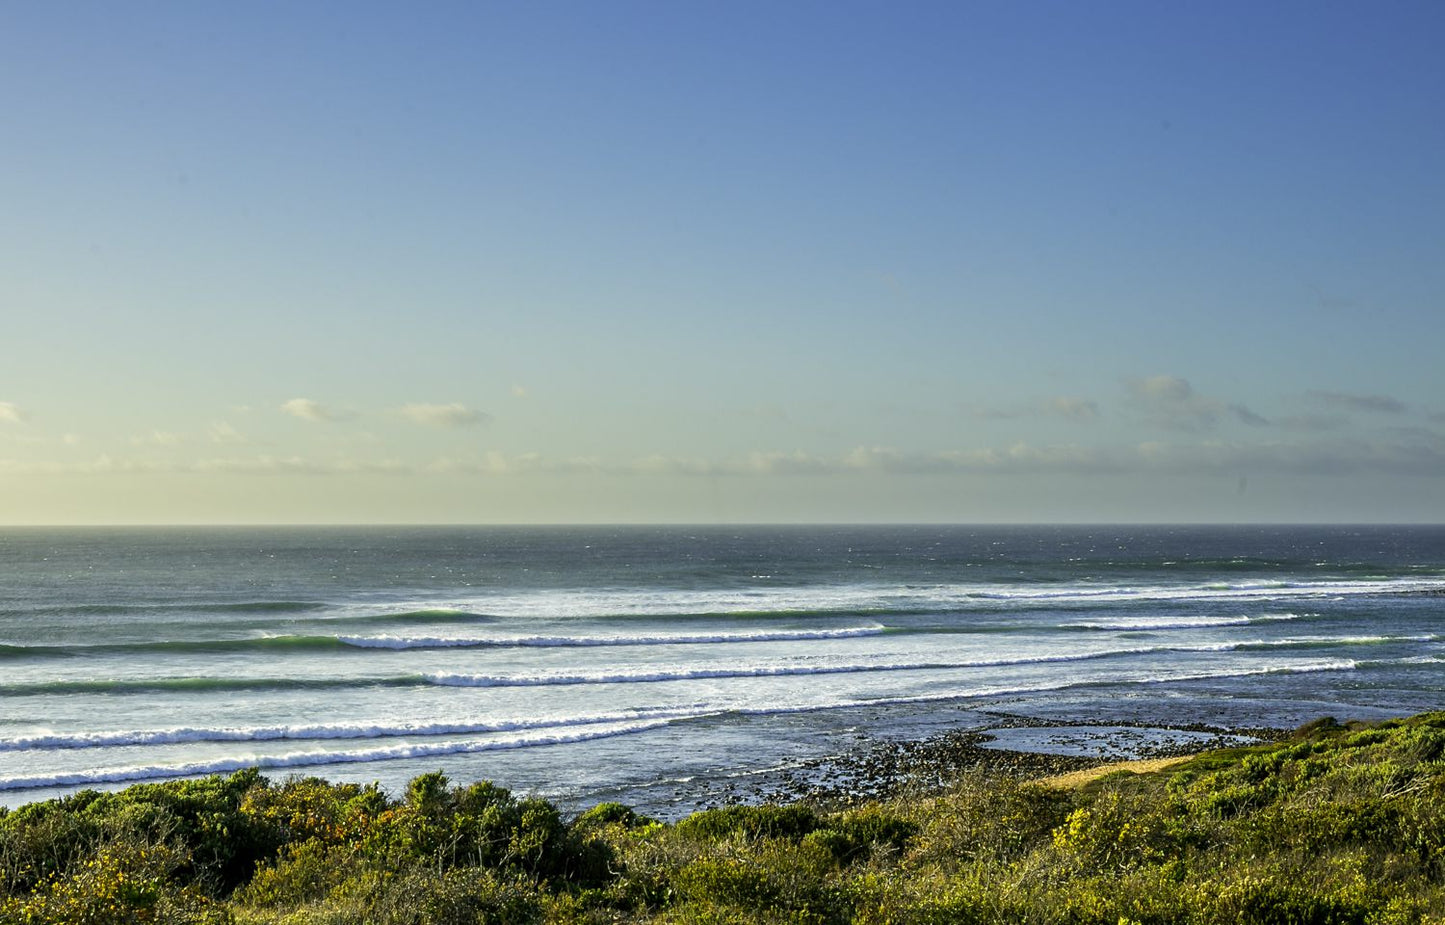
(156, 438)
(221, 432)
(1312, 423)
(1171, 402)
(1413, 452)
(1334, 458)
(455, 414)
(1415, 434)
(1076, 409)
(308, 410)
(494, 463)
(10, 414)
(1248, 417)
(1379, 404)
(296, 465)
(106, 464)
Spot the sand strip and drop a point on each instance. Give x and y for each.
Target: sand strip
(1076, 779)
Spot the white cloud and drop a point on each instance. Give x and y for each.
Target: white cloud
(10, 414)
(296, 465)
(156, 438)
(308, 410)
(494, 463)
(455, 414)
(106, 464)
(1076, 409)
(221, 432)
(1171, 402)
(1420, 452)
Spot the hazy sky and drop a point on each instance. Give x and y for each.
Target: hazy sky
(677, 261)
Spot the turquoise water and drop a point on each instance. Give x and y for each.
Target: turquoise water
(599, 663)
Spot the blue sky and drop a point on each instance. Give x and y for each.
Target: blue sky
(572, 262)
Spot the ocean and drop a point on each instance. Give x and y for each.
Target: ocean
(585, 664)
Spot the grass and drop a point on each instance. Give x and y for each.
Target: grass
(1343, 824)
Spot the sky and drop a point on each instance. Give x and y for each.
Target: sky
(743, 262)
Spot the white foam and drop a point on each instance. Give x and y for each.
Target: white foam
(180, 735)
(767, 671)
(1275, 668)
(614, 728)
(387, 641)
(312, 759)
(865, 597)
(1175, 622)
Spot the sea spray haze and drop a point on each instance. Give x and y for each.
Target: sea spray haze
(597, 663)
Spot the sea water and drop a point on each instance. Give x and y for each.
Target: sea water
(586, 664)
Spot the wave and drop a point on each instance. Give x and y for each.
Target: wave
(1276, 668)
(213, 684)
(185, 735)
(439, 642)
(983, 693)
(249, 643)
(368, 730)
(881, 600)
(166, 607)
(205, 684)
(202, 685)
(313, 759)
(1329, 642)
(614, 725)
(1408, 660)
(775, 671)
(389, 641)
(422, 615)
(1175, 622)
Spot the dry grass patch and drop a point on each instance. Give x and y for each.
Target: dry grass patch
(1076, 779)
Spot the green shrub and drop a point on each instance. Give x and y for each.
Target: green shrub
(40, 841)
(987, 819)
(776, 878)
(1115, 833)
(857, 834)
(1253, 900)
(123, 883)
(412, 894)
(768, 821)
(304, 873)
(606, 814)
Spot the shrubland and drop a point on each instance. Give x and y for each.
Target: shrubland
(1342, 824)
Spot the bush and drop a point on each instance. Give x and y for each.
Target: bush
(305, 872)
(415, 895)
(768, 821)
(610, 814)
(125, 882)
(986, 818)
(857, 834)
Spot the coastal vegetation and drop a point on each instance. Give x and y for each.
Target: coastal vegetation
(1340, 824)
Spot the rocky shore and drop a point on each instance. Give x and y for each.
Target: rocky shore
(884, 769)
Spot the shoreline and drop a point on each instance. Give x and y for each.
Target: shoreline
(882, 769)
(1250, 834)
